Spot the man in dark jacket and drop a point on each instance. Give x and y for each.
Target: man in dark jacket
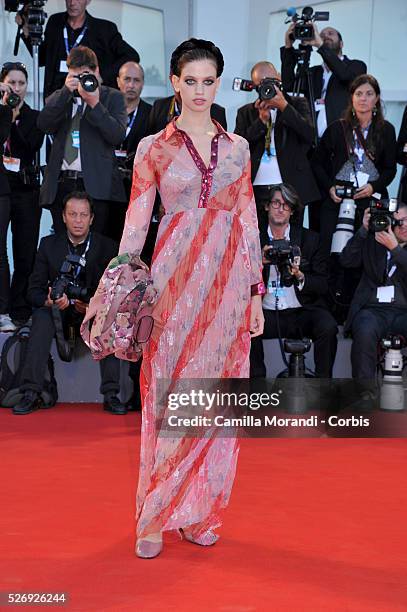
(65, 31)
(379, 306)
(87, 126)
(95, 252)
(279, 133)
(330, 81)
(301, 306)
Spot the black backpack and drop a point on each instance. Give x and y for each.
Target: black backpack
(12, 361)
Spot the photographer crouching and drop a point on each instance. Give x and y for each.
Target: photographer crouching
(295, 274)
(379, 306)
(66, 273)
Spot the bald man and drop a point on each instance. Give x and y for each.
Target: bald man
(280, 133)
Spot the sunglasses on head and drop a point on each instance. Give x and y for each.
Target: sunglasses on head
(14, 66)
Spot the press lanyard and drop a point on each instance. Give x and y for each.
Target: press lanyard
(131, 122)
(77, 41)
(78, 268)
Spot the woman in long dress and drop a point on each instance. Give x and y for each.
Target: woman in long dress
(207, 272)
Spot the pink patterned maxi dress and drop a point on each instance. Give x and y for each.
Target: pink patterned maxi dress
(206, 258)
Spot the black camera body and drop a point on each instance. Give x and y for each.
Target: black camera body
(266, 88)
(32, 12)
(381, 214)
(283, 255)
(66, 283)
(304, 30)
(13, 100)
(346, 191)
(394, 341)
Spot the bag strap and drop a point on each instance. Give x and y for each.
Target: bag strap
(65, 347)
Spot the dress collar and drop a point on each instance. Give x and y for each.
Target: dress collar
(173, 131)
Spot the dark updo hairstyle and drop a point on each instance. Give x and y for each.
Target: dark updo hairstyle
(9, 66)
(193, 50)
(374, 137)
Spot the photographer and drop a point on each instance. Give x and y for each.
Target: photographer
(65, 31)
(360, 149)
(130, 82)
(279, 133)
(23, 212)
(379, 305)
(6, 117)
(301, 306)
(87, 126)
(96, 251)
(331, 80)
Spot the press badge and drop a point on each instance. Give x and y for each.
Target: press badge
(11, 163)
(62, 66)
(266, 158)
(275, 291)
(120, 153)
(385, 295)
(75, 139)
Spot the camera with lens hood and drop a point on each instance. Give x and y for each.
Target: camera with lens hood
(66, 280)
(381, 214)
(283, 255)
(266, 88)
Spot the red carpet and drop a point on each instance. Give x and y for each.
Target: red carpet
(317, 524)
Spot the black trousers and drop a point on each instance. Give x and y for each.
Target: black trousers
(102, 207)
(370, 325)
(22, 211)
(310, 322)
(39, 346)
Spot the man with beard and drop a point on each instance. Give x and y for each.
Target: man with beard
(330, 80)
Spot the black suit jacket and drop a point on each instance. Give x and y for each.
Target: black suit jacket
(364, 251)
(138, 130)
(331, 153)
(343, 73)
(25, 141)
(293, 135)
(402, 156)
(102, 37)
(314, 265)
(6, 116)
(161, 108)
(102, 129)
(52, 252)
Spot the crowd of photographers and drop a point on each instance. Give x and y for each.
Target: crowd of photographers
(318, 140)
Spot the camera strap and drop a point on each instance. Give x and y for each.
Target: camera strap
(65, 346)
(78, 268)
(362, 141)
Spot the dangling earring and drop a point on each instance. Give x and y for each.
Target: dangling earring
(353, 112)
(374, 113)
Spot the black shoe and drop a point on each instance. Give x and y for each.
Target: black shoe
(133, 404)
(114, 405)
(30, 401)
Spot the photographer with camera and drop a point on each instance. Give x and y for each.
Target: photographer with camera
(87, 121)
(279, 132)
(23, 175)
(359, 149)
(330, 81)
(379, 306)
(57, 281)
(6, 118)
(295, 274)
(65, 31)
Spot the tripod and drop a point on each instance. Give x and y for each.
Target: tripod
(303, 81)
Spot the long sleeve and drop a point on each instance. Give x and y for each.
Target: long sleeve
(141, 200)
(402, 139)
(248, 219)
(321, 161)
(252, 131)
(39, 280)
(110, 120)
(297, 117)
(55, 111)
(345, 72)
(387, 163)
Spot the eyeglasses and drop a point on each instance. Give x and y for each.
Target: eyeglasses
(277, 204)
(14, 66)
